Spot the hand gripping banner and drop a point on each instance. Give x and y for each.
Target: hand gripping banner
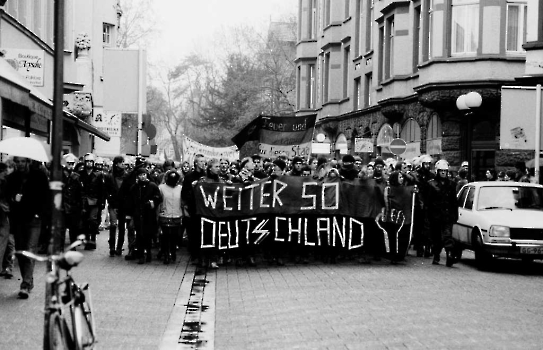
(292, 209)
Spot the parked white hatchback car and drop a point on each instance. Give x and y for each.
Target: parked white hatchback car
(500, 219)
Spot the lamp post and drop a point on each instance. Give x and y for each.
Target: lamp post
(468, 102)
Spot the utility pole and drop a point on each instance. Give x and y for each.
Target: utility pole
(55, 183)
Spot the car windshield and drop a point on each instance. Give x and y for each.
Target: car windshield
(510, 198)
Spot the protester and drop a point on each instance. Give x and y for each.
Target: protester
(208, 256)
(246, 177)
(462, 179)
(225, 174)
(187, 195)
(258, 172)
(5, 236)
(117, 216)
(348, 170)
(491, 175)
(170, 215)
(28, 189)
(145, 198)
(297, 165)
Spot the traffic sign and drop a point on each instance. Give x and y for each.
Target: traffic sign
(397, 146)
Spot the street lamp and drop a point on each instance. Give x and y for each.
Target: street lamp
(466, 102)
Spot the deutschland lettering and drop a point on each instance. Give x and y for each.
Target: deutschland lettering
(295, 209)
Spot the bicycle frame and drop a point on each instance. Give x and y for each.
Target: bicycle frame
(65, 297)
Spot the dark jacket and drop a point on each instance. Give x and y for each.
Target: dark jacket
(139, 206)
(93, 187)
(112, 183)
(187, 192)
(35, 199)
(72, 193)
(441, 201)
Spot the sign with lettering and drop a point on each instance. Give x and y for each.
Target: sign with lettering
(191, 148)
(294, 209)
(363, 145)
(29, 63)
(290, 136)
(108, 122)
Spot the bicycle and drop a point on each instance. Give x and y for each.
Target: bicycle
(67, 303)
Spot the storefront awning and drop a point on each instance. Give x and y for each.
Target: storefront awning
(78, 123)
(14, 87)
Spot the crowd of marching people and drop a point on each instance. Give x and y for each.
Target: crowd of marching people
(152, 207)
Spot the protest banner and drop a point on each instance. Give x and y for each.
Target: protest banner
(191, 148)
(290, 136)
(294, 209)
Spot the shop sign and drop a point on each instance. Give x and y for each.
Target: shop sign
(363, 145)
(29, 63)
(109, 122)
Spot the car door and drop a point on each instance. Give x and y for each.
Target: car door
(462, 228)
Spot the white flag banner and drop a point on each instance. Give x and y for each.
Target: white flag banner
(191, 148)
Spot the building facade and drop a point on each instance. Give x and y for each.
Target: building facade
(378, 70)
(27, 44)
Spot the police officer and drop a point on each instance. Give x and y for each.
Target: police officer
(443, 213)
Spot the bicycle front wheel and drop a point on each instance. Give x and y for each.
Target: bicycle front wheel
(84, 336)
(59, 334)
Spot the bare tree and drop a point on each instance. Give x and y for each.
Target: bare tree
(138, 23)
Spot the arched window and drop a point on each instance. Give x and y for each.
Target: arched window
(411, 131)
(386, 134)
(434, 128)
(433, 136)
(341, 145)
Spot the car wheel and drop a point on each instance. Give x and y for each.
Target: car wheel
(482, 258)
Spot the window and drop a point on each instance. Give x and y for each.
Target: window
(381, 58)
(369, 25)
(356, 93)
(516, 26)
(465, 27)
(326, 77)
(469, 199)
(346, 59)
(434, 128)
(313, 20)
(358, 28)
(298, 84)
(368, 84)
(389, 48)
(417, 45)
(411, 131)
(311, 86)
(327, 13)
(107, 33)
(427, 23)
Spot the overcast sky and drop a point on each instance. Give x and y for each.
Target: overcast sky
(187, 24)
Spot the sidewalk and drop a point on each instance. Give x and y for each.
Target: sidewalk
(134, 304)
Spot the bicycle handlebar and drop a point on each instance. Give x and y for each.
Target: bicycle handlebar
(65, 260)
